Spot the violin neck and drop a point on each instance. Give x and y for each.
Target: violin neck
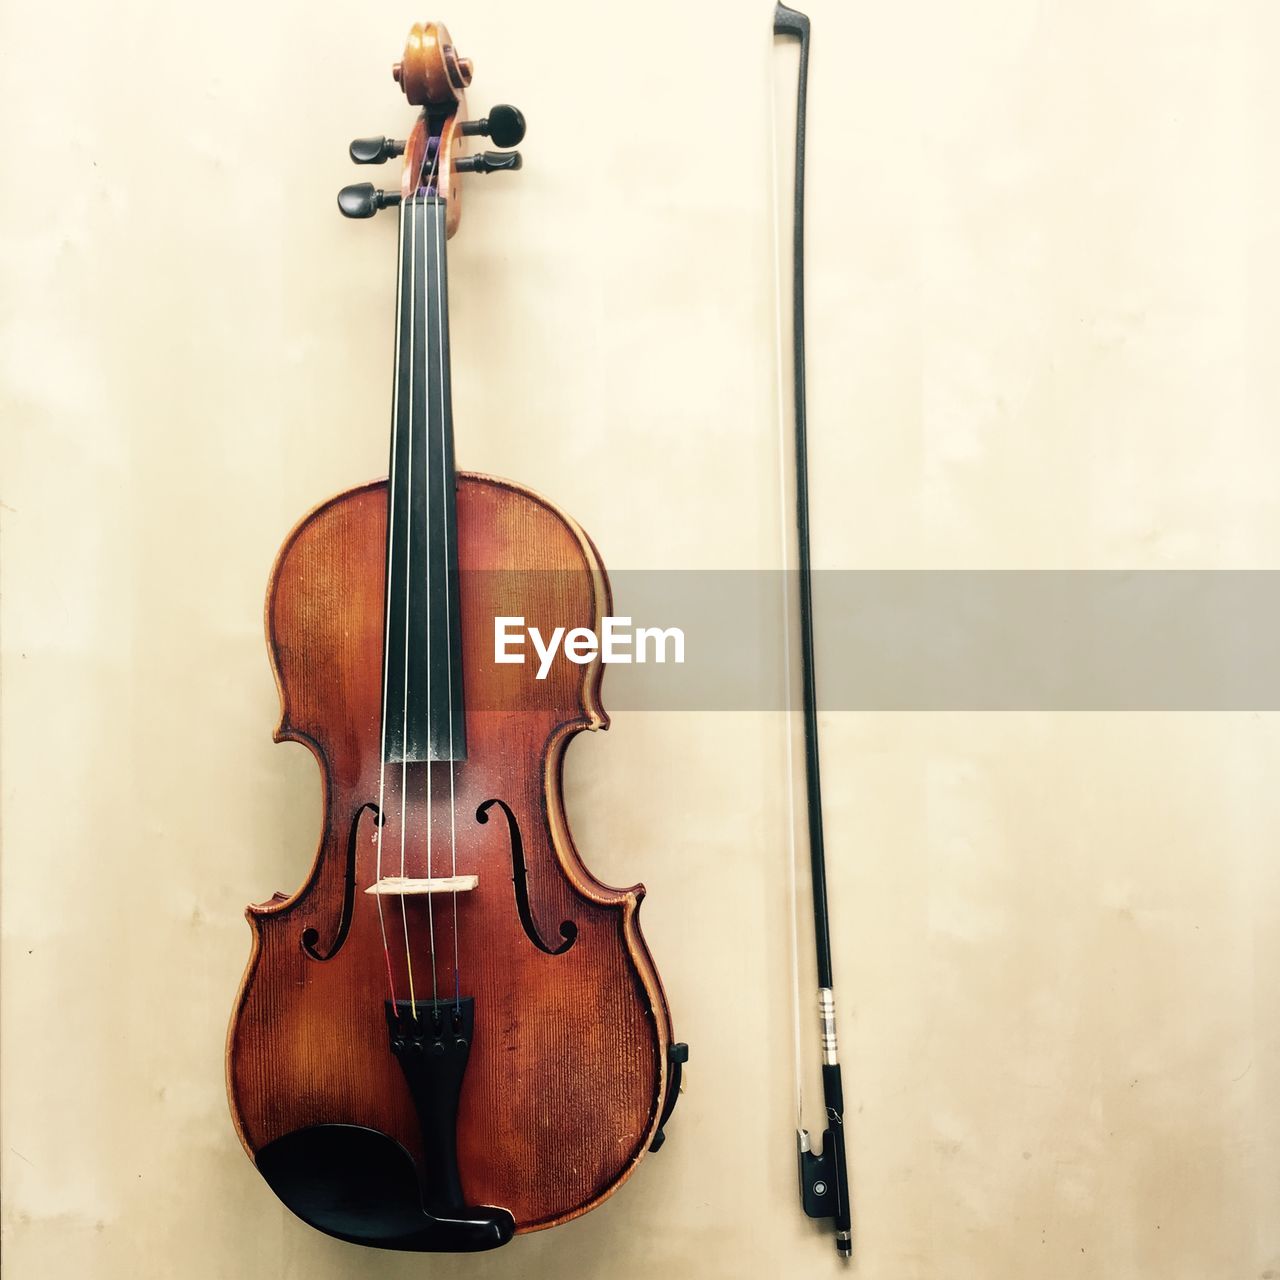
(423, 715)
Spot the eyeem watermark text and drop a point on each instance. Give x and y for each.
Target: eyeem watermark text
(618, 641)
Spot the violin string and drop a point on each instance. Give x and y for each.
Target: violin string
(386, 626)
(785, 544)
(421, 208)
(431, 175)
(448, 620)
(408, 581)
(423, 178)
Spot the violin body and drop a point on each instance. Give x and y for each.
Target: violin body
(452, 1032)
(567, 1074)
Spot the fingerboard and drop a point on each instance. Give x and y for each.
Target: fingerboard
(423, 715)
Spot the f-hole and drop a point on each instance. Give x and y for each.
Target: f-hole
(311, 935)
(520, 878)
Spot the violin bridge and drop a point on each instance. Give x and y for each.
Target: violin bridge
(405, 886)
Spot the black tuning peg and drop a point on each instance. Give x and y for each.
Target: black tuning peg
(375, 150)
(363, 200)
(488, 162)
(504, 124)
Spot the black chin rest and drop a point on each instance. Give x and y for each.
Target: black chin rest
(360, 1185)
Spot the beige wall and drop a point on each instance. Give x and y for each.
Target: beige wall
(1044, 318)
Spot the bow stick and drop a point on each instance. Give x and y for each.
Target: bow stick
(824, 1184)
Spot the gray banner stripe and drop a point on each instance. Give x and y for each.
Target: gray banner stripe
(967, 640)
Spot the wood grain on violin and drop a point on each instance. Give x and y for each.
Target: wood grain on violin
(452, 1032)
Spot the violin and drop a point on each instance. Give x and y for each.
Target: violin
(452, 1032)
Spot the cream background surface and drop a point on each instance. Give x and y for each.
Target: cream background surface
(1043, 317)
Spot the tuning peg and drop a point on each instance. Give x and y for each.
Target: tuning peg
(375, 150)
(504, 124)
(488, 162)
(363, 200)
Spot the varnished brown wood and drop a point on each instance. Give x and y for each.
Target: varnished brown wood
(451, 147)
(434, 76)
(568, 1072)
(431, 71)
(567, 1075)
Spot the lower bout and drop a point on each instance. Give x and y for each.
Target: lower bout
(546, 1133)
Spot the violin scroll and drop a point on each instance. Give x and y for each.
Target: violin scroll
(431, 73)
(434, 76)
